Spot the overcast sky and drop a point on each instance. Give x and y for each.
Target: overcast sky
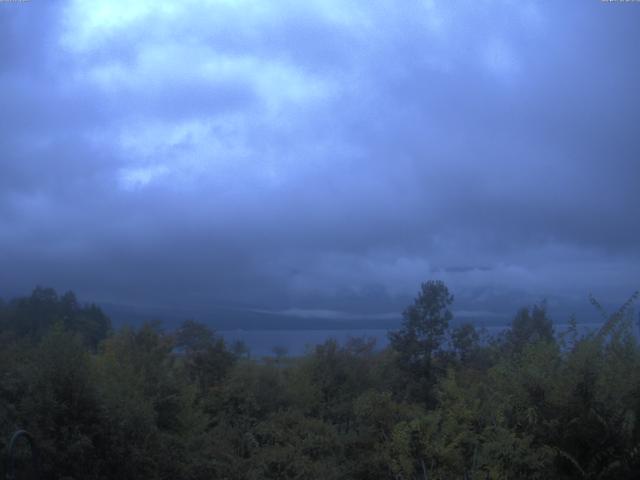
(319, 157)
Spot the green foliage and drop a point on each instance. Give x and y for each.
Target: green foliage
(530, 325)
(144, 403)
(206, 357)
(420, 338)
(32, 317)
(60, 404)
(465, 342)
(290, 445)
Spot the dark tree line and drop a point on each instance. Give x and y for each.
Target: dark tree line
(33, 317)
(441, 402)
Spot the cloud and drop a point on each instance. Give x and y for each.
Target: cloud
(318, 157)
(500, 59)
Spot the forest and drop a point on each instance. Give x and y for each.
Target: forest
(442, 401)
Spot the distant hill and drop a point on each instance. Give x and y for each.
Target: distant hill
(246, 318)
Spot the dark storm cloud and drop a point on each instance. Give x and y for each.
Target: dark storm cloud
(319, 157)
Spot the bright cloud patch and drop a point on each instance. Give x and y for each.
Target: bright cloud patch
(500, 59)
(134, 178)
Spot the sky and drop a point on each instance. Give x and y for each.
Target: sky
(320, 159)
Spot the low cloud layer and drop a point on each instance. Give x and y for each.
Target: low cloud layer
(319, 156)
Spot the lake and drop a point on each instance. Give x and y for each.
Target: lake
(296, 342)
